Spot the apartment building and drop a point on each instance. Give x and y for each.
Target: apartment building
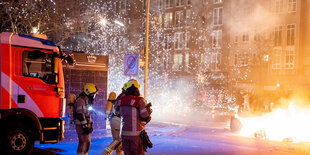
(269, 53)
(188, 34)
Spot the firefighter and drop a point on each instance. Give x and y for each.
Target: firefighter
(115, 123)
(110, 103)
(135, 114)
(109, 109)
(83, 123)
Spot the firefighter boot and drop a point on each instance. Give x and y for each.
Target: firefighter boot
(108, 150)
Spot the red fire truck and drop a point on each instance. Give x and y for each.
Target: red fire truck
(32, 92)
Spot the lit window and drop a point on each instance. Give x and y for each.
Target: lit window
(186, 60)
(177, 61)
(291, 35)
(218, 1)
(168, 22)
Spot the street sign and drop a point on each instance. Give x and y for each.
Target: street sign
(131, 64)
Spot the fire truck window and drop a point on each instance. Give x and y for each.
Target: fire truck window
(38, 64)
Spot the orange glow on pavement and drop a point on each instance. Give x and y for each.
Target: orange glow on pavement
(292, 122)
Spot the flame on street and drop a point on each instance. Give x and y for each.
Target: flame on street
(292, 122)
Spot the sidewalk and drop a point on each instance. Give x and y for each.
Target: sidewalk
(153, 129)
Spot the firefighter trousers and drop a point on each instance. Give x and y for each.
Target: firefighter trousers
(116, 144)
(84, 141)
(132, 145)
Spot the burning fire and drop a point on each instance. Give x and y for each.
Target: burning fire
(290, 124)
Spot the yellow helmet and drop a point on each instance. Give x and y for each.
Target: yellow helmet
(125, 86)
(90, 88)
(134, 83)
(112, 96)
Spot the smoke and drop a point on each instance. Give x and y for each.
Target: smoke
(251, 17)
(300, 98)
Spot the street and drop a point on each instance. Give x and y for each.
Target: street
(195, 137)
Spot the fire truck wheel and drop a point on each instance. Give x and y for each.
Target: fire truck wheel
(19, 140)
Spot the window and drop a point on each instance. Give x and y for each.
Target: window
(291, 35)
(160, 4)
(187, 40)
(179, 18)
(188, 17)
(236, 37)
(217, 16)
(278, 36)
(276, 60)
(236, 60)
(179, 2)
(168, 4)
(215, 61)
(168, 41)
(218, 1)
(189, 2)
(37, 64)
(217, 39)
(292, 5)
(123, 5)
(289, 58)
(257, 36)
(168, 20)
(245, 36)
(177, 61)
(186, 60)
(178, 41)
(279, 6)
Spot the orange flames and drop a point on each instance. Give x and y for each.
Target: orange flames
(291, 123)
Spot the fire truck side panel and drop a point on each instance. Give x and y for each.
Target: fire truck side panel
(29, 97)
(40, 97)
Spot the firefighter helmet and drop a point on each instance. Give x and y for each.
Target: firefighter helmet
(90, 88)
(134, 83)
(112, 96)
(125, 86)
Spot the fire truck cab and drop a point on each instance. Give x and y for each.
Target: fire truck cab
(32, 93)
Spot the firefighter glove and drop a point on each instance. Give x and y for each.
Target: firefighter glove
(86, 129)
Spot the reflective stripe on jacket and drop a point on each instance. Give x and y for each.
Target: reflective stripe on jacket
(132, 109)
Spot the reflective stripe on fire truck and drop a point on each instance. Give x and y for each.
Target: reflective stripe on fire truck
(30, 104)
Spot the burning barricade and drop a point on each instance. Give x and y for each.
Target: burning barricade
(289, 124)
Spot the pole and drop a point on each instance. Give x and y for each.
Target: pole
(146, 49)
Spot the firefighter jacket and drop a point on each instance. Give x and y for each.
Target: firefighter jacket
(134, 112)
(82, 114)
(109, 108)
